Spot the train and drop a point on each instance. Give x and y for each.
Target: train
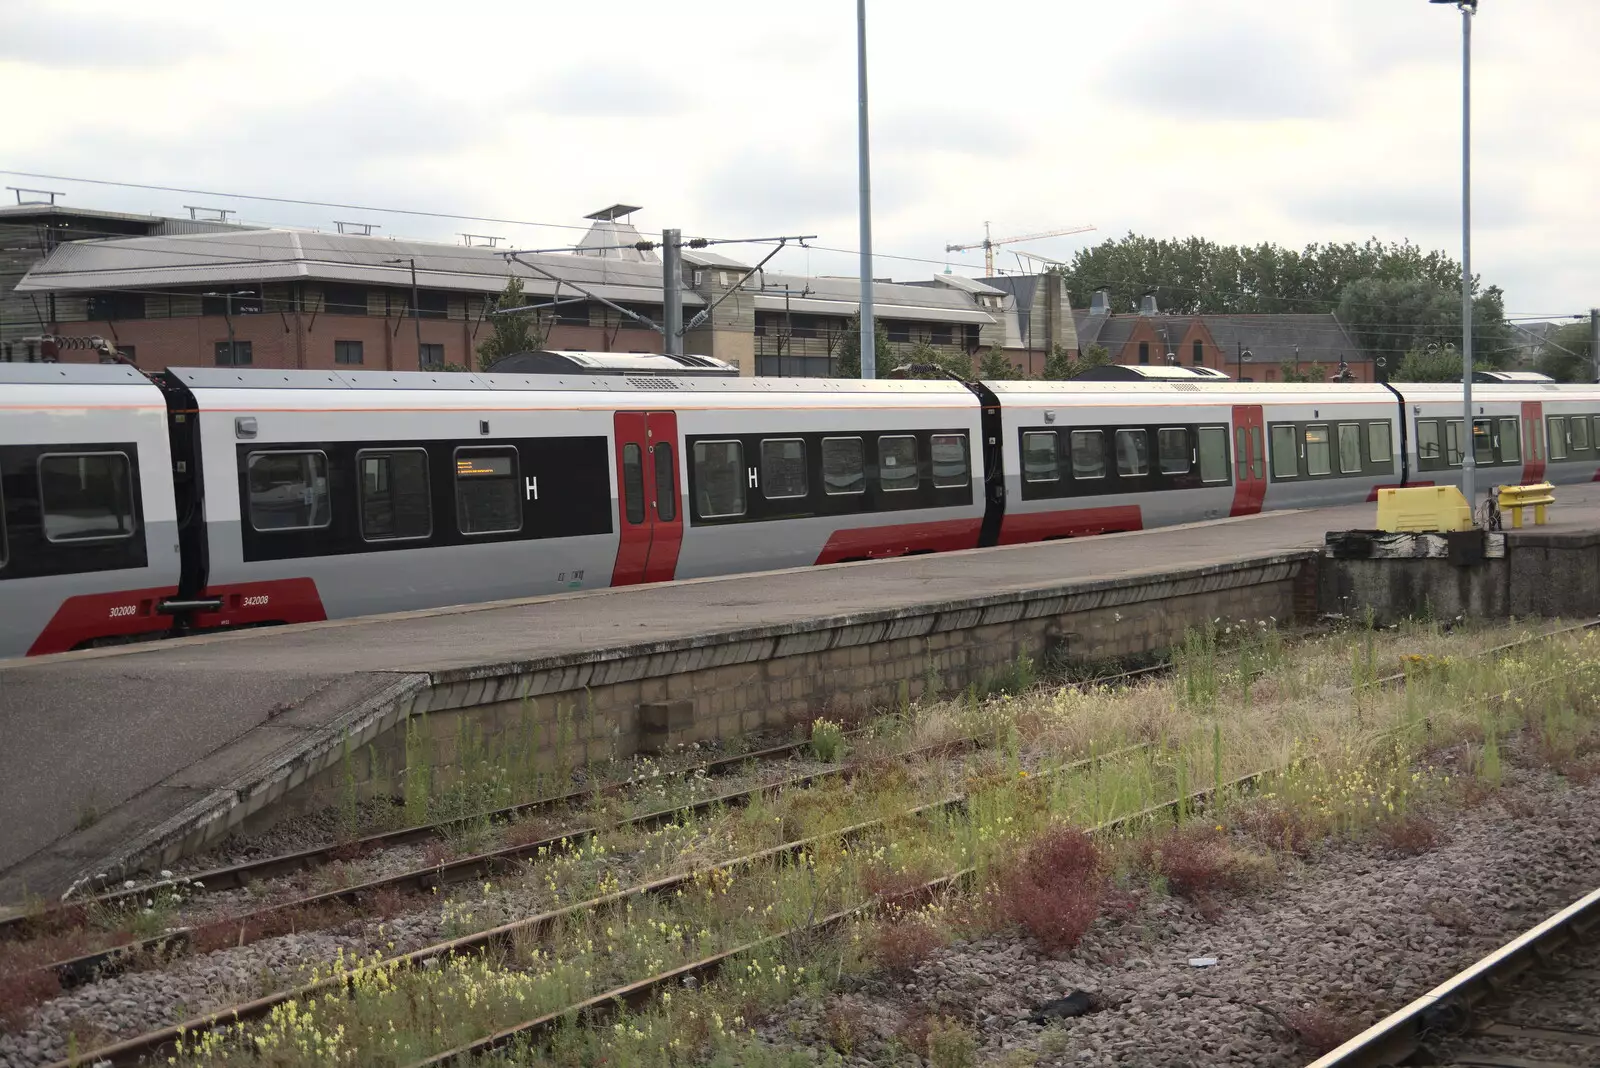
(139, 504)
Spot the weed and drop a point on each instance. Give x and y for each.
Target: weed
(950, 1045)
(903, 941)
(844, 1025)
(1196, 862)
(1409, 834)
(827, 740)
(1053, 888)
(1319, 1030)
(88, 815)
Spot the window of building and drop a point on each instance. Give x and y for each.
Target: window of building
(1558, 437)
(1379, 444)
(1452, 442)
(897, 463)
(1039, 460)
(433, 304)
(395, 503)
(571, 312)
(1285, 452)
(803, 326)
(1483, 441)
(1510, 441)
(288, 490)
(1172, 448)
(898, 330)
(949, 455)
(783, 468)
(1428, 439)
(844, 467)
(344, 300)
(633, 482)
(347, 352)
(666, 498)
(238, 300)
(234, 354)
(108, 306)
(1144, 352)
(1088, 454)
(432, 358)
(1319, 456)
(1133, 453)
(719, 478)
(1199, 353)
(488, 493)
(940, 334)
(1213, 451)
(1349, 448)
(971, 334)
(86, 496)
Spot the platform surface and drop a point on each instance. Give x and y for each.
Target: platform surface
(101, 742)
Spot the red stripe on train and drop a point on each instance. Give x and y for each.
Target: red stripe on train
(131, 612)
(1071, 523)
(1373, 496)
(870, 543)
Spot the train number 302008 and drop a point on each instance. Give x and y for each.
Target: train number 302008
(121, 610)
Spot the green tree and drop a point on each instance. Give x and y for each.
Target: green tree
(511, 332)
(996, 366)
(1293, 372)
(1391, 316)
(1061, 365)
(849, 347)
(1436, 363)
(1567, 355)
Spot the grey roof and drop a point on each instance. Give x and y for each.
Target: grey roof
(293, 255)
(699, 257)
(1319, 338)
(1089, 326)
(892, 300)
(974, 286)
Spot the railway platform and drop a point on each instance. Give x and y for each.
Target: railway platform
(134, 755)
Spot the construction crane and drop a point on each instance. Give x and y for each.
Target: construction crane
(989, 244)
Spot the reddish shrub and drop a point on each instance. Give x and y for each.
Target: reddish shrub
(1408, 835)
(900, 944)
(1196, 863)
(899, 889)
(1054, 888)
(20, 991)
(1321, 1031)
(1278, 827)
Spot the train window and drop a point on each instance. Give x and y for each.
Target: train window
(1580, 433)
(289, 491)
(1428, 440)
(1214, 454)
(719, 478)
(1172, 448)
(783, 468)
(1039, 460)
(1349, 448)
(1510, 442)
(395, 502)
(3, 554)
(666, 498)
(1258, 454)
(1133, 453)
(844, 468)
(897, 463)
(1558, 437)
(949, 453)
(1595, 436)
(488, 492)
(1241, 453)
(633, 482)
(1088, 454)
(86, 496)
(1319, 460)
(1483, 441)
(1452, 442)
(1285, 452)
(1379, 445)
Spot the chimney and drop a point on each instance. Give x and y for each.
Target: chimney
(1147, 303)
(1100, 302)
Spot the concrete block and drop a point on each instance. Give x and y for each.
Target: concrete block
(663, 723)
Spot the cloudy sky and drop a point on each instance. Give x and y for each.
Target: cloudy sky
(1241, 120)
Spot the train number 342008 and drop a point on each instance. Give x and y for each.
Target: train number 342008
(255, 601)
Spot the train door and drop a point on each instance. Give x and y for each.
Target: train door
(1249, 459)
(1532, 441)
(649, 505)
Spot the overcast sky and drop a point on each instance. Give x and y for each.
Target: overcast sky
(1240, 120)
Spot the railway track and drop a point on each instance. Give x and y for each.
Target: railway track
(1532, 1003)
(502, 938)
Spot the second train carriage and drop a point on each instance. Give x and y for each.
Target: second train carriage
(213, 498)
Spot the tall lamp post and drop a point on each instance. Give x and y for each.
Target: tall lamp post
(869, 356)
(1469, 469)
(416, 310)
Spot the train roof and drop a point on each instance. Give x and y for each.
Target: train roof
(72, 374)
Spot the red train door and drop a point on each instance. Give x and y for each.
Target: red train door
(1249, 459)
(1532, 441)
(649, 504)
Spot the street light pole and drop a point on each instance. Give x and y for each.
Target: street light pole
(869, 356)
(1469, 469)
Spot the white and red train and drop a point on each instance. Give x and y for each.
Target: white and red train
(194, 499)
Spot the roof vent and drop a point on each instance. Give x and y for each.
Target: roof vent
(1100, 302)
(1147, 303)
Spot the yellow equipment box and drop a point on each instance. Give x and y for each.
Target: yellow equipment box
(1416, 508)
(1538, 496)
